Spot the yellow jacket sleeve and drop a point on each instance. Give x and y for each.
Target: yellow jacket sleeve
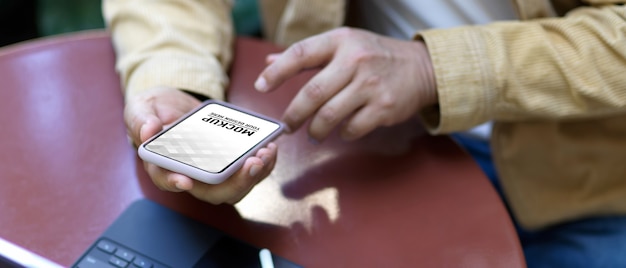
(556, 68)
(181, 44)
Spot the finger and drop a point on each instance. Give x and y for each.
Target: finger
(242, 182)
(257, 172)
(381, 108)
(317, 91)
(335, 111)
(142, 121)
(232, 189)
(361, 123)
(167, 180)
(268, 155)
(311, 52)
(150, 128)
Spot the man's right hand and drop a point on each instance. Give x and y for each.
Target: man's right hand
(366, 81)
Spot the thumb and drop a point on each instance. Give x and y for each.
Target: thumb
(151, 126)
(141, 122)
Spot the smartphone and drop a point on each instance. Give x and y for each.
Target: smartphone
(212, 142)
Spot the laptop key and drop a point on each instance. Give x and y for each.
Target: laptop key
(142, 263)
(106, 246)
(90, 262)
(118, 262)
(125, 255)
(109, 254)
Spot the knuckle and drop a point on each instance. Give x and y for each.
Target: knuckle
(387, 101)
(343, 32)
(361, 56)
(373, 80)
(314, 91)
(387, 121)
(241, 186)
(351, 131)
(163, 186)
(387, 104)
(159, 185)
(327, 115)
(298, 49)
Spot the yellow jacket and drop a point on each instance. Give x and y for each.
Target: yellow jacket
(553, 84)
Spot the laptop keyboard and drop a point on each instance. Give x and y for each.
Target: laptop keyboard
(108, 254)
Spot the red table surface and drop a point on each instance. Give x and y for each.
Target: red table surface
(396, 198)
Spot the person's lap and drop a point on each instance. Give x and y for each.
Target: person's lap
(594, 242)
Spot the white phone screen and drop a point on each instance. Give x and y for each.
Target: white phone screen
(212, 138)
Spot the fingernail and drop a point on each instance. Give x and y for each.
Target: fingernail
(254, 170)
(260, 84)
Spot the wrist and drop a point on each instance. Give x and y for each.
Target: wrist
(428, 84)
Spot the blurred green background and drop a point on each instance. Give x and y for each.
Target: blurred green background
(26, 19)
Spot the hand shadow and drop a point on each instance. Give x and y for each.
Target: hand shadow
(376, 181)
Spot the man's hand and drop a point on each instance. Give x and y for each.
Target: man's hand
(146, 114)
(367, 81)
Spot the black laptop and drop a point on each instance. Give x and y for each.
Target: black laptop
(150, 235)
